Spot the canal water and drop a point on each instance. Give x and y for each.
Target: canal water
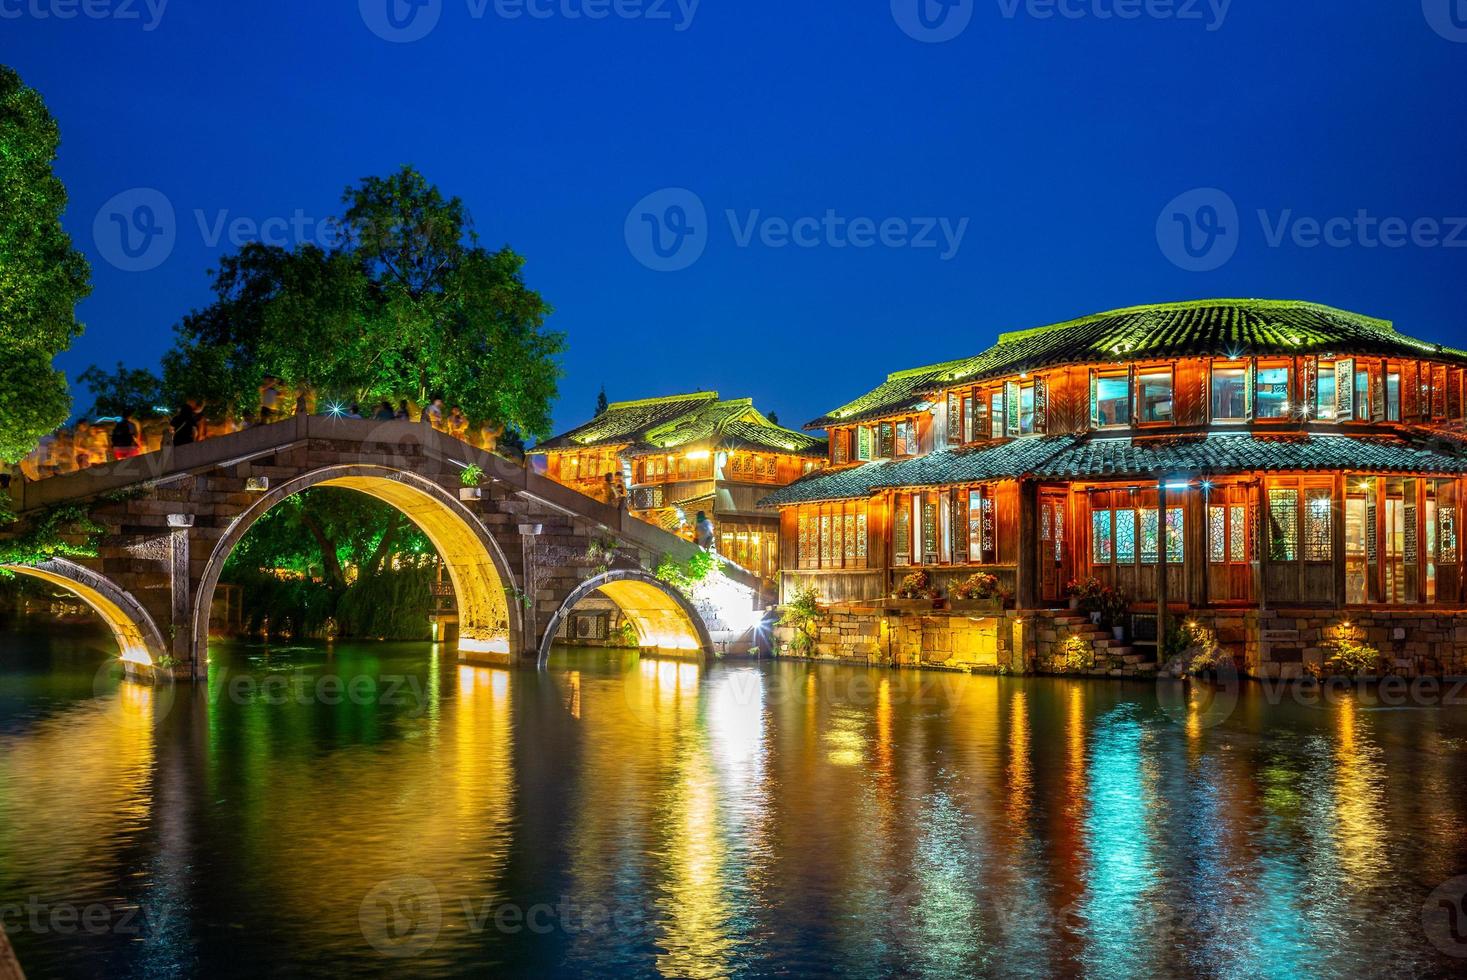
(380, 810)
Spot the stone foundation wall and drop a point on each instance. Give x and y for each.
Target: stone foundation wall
(1263, 643)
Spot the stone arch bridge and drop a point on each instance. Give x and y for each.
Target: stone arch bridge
(518, 549)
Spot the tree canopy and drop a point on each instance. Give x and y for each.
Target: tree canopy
(408, 305)
(42, 277)
(137, 389)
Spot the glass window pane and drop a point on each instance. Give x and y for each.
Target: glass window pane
(1112, 401)
(995, 414)
(1150, 536)
(1318, 525)
(1393, 398)
(1156, 396)
(1176, 542)
(1324, 406)
(1026, 410)
(1217, 534)
(1229, 394)
(1126, 536)
(1283, 519)
(1238, 533)
(1100, 545)
(1273, 393)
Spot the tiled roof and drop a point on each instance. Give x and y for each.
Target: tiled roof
(1246, 453)
(626, 422)
(993, 461)
(1207, 327)
(1077, 457)
(659, 424)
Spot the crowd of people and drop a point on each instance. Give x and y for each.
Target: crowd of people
(92, 442)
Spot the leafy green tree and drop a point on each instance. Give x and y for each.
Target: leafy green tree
(137, 389)
(42, 277)
(410, 306)
(341, 551)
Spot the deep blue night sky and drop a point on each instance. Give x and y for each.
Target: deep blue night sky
(1060, 140)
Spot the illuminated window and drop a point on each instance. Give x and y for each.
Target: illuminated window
(1155, 396)
(1324, 401)
(1100, 540)
(1110, 403)
(1273, 393)
(995, 415)
(1238, 533)
(1283, 524)
(1026, 410)
(1217, 534)
(902, 531)
(1150, 536)
(1319, 541)
(1229, 394)
(863, 443)
(1176, 543)
(1125, 524)
(1393, 397)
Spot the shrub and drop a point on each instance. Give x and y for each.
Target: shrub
(1352, 654)
(802, 613)
(917, 585)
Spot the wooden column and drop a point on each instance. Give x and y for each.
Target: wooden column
(1337, 544)
(1265, 533)
(1161, 567)
(1028, 551)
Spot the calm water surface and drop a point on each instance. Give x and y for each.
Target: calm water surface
(382, 810)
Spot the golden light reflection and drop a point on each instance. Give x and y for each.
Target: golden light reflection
(1020, 774)
(1359, 797)
(82, 782)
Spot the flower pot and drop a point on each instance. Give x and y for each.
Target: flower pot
(1095, 619)
(1074, 603)
(471, 493)
(1119, 632)
(911, 605)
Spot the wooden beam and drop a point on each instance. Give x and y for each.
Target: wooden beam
(1161, 569)
(1028, 552)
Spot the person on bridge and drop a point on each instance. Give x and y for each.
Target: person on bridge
(127, 437)
(703, 531)
(269, 399)
(433, 414)
(458, 424)
(385, 412)
(186, 424)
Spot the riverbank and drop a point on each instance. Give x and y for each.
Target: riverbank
(1278, 644)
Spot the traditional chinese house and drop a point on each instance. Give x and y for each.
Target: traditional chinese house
(682, 454)
(1222, 456)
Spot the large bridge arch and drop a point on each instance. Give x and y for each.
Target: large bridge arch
(489, 624)
(139, 641)
(663, 616)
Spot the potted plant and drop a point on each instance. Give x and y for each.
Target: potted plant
(1114, 607)
(470, 480)
(1085, 595)
(915, 591)
(979, 591)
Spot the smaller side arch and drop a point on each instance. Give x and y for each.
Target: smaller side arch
(664, 618)
(139, 641)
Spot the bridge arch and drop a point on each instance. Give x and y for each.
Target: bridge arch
(489, 624)
(663, 616)
(139, 641)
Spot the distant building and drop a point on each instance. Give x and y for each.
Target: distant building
(682, 454)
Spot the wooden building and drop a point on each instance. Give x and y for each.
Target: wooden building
(673, 457)
(1206, 454)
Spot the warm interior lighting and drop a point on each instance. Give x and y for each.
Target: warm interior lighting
(699, 455)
